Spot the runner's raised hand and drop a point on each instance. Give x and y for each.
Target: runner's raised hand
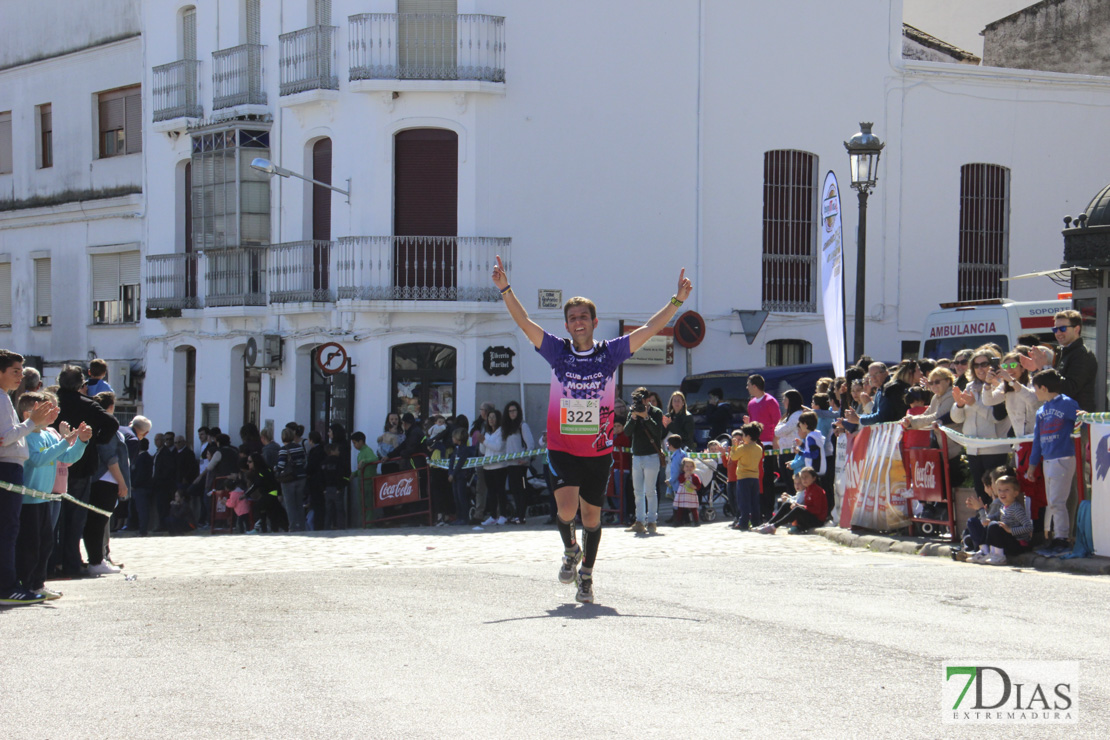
(685, 287)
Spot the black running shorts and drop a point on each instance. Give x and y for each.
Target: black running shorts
(589, 474)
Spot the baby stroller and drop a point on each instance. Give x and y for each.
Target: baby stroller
(715, 489)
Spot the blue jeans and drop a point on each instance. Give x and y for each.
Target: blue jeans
(747, 501)
(645, 469)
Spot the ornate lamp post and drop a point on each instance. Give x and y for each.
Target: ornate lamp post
(863, 153)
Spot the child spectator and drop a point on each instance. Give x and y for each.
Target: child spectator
(180, 520)
(686, 492)
(45, 448)
(1010, 536)
(735, 440)
(808, 510)
(458, 476)
(335, 488)
(1052, 443)
(810, 447)
(238, 502)
(367, 459)
(142, 483)
(917, 403)
(746, 455)
(975, 531)
(825, 419)
(675, 455)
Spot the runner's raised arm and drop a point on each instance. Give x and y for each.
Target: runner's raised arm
(663, 316)
(530, 328)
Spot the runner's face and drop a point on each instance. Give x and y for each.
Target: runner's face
(580, 325)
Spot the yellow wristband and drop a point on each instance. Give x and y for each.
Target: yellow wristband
(675, 302)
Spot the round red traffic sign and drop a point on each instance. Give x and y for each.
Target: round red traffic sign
(689, 329)
(331, 358)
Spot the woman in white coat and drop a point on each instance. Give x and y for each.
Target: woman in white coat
(497, 503)
(979, 411)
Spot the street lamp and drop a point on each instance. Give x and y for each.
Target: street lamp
(863, 154)
(265, 165)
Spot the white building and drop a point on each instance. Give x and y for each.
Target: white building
(599, 147)
(71, 203)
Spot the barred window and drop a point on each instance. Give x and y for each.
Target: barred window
(790, 192)
(784, 352)
(984, 231)
(231, 201)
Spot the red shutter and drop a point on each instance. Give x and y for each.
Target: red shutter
(425, 196)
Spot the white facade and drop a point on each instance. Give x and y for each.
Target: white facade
(66, 209)
(627, 141)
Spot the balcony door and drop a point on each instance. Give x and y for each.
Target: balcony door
(425, 216)
(427, 39)
(321, 213)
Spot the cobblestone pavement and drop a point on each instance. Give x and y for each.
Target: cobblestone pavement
(416, 547)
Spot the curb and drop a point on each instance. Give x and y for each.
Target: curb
(1093, 566)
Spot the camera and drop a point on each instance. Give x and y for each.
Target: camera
(638, 403)
(995, 363)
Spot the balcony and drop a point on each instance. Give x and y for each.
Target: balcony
(171, 282)
(441, 269)
(235, 276)
(460, 52)
(307, 60)
(420, 268)
(175, 91)
(300, 272)
(237, 77)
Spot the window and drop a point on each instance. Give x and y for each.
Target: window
(789, 231)
(115, 288)
(423, 380)
(42, 292)
(121, 121)
(5, 294)
(789, 352)
(46, 137)
(231, 201)
(210, 415)
(5, 142)
(984, 231)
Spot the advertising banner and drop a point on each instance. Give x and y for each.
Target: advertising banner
(925, 473)
(875, 480)
(832, 270)
(1100, 488)
(396, 488)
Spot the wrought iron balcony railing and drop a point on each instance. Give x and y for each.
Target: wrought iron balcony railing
(235, 276)
(301, 272)
(427, 46)
(422, 268)
(237, 76)
(307, 60)
(171, 281)
(175, 90)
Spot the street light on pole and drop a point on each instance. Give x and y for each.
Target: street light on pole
(863, 154)
(265, 165)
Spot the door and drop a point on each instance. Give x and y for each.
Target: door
(425, 217)
(423, 381)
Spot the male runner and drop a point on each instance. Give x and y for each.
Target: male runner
(580, 415)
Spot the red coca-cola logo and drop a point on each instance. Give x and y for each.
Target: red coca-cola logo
(396, 488)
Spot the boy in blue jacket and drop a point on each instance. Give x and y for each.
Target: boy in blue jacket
(1052, 444)
(45, 449)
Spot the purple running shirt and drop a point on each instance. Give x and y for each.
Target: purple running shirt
(583, 389)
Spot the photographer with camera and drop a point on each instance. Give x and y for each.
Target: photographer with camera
(645, 428)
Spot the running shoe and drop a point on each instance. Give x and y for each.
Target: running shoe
(48, 593)
(19, 596)
(103, 569)
(585, 593)
(490, 521)
(980, 558)
(995, 559)
(569, 570)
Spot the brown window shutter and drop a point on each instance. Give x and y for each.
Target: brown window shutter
(133, 122)
(321, 196)
(111, 114)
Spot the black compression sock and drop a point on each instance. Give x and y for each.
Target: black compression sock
(566, 531)
(590, 539)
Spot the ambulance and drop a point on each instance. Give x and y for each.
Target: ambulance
(970, 324)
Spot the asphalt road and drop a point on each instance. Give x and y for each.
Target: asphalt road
(440, 633)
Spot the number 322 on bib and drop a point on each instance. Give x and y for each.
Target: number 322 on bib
(579, 416)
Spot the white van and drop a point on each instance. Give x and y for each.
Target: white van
(970, 324)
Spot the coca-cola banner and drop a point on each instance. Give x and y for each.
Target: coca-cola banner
(875, 480)
(396, 488)
(1100, 487)
(925, 471)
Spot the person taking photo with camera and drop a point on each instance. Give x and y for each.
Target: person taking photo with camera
(645, 428)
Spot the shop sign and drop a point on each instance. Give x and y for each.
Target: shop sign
(391, 489)
(498, 360)
(550, 298)
(659, 350)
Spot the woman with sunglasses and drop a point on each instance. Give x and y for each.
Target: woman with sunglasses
(979, 412)
(941, 382)
(1014, 385)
